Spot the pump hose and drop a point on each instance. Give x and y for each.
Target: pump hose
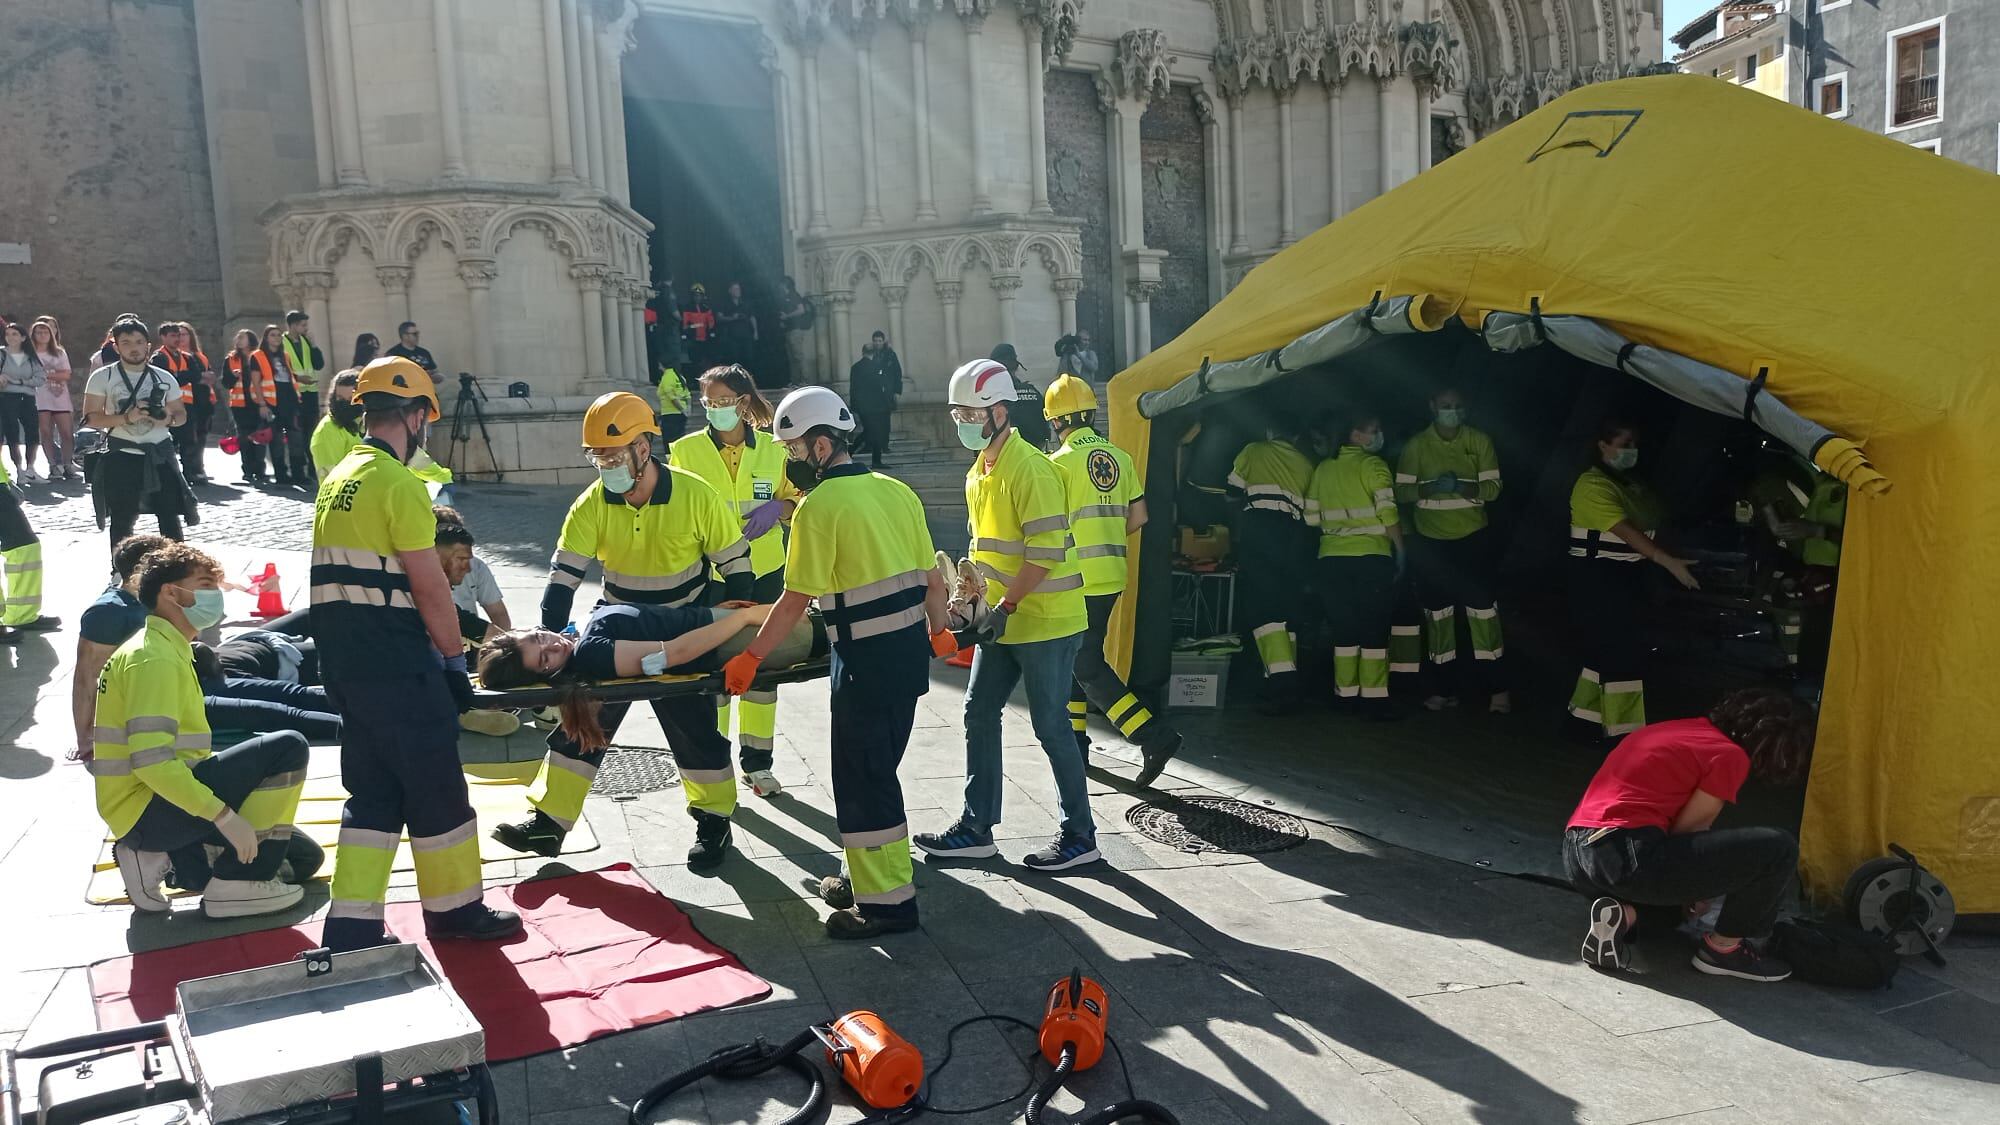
(744, 1060)
(1048, 1089)
(1129, 1109)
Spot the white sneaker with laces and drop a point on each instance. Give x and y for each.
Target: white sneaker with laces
(143, 873)
(243, 898)
(764, 783)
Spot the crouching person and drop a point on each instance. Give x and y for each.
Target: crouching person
(1642, 834)
(159, 785)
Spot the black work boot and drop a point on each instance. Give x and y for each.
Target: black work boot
(1155, 754)
(711, 840)
(538, 833)
(474, 922)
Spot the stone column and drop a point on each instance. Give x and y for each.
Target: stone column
(478, 275)
(617, 350)
(948, 293)
(1335, 173)
(611, 108)
(640, 292)
(815, 152)
(1005, 286)
(313, 289)
(982, 176)
(1239, 234)
(864, 58)
(1038, 141)
(593, 92)
(1215, 191)
(893, 296)
(843, 330)
(1142, 294)
(1383, 83)
(1287, 210)
(445, 35)
(579, 130)
(1424, 90)
(563, 166)
(920, 100)
(353, 170)
(322, 109)
(1066, 290)
(589, 280)
(1130, 172)
(395, 283)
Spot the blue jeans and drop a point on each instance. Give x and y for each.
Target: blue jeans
(1046, 668)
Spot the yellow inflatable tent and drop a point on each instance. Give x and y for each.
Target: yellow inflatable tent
(1711, 240)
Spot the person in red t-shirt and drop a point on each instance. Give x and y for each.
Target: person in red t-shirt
(1642, 835)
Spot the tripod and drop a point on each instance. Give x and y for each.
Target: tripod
(470, 397)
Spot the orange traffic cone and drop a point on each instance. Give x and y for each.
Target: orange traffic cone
(270, 599)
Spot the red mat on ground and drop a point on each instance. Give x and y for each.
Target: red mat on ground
(602, 952)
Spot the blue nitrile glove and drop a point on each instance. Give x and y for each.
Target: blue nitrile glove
(1446, 483)
(763, 518)
(569, 630)
(460, 683)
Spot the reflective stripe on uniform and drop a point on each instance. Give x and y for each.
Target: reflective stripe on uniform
(711, 791)
(1098, 511)
(876, 608)
(447, 866)
(878, 865)
(560, 788)
(1449, 504)
(361, 595)
(1586, 543)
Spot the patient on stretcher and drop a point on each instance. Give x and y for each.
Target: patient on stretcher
(966, 611)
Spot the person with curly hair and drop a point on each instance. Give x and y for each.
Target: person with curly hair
(1644, 835)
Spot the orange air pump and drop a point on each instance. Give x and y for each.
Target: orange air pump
(1074, 1019)
(882, 1068)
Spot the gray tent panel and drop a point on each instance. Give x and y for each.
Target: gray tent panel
(1691, 381)
(1328, 342)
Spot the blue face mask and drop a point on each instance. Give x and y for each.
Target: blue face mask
(1624, 459)
(206, 612)
(1451, 417)
(721, 418)
(1374, 443)
(972, 435)
(618, 479)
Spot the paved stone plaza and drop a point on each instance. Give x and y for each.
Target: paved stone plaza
(1341, 981)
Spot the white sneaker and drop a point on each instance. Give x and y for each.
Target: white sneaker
(1440, 702)
(1502, 704)
(143, 873)
(242, 898)
(764, 783)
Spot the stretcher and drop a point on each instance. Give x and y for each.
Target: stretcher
(815, 664)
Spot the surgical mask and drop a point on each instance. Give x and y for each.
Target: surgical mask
(972, 435)
(417, 441)
(1450, 417)
(345, 414)
(654, 663)
(1624, 459)
(206, 612)
(722, 418)
(618, 479)
(1374, 443)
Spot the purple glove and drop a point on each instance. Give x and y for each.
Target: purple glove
(763, 518)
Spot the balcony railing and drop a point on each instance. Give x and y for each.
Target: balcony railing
(1916, 99)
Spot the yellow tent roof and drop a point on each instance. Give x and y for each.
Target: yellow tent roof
(1693, 216)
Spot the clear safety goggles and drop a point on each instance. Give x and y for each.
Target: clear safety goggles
(969, 415)
(607, 458)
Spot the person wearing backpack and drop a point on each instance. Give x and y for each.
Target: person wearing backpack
(1643, 833)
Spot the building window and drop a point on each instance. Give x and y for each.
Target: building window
(1767, 55)
(1931, 146)
(1747, 69)
(1916, 86)
(1830, 94)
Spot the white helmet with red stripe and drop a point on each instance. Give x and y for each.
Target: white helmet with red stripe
(982, 383)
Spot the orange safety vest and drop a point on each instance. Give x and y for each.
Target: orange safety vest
(267, 394)
(175, 362)
(699, 322)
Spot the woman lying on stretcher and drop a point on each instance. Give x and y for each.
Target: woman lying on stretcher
(623, 641)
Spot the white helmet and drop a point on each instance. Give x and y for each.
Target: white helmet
(807, 407)
(982, 382)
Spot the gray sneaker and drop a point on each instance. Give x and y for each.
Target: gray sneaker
(143, 873)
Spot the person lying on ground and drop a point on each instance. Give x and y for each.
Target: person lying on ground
(160, 787)
(622, 641)
(250, 705)
(1643, 833)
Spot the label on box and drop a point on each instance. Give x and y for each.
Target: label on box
(1191, 691)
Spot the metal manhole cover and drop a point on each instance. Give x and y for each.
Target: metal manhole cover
(625, 773)
(1217, 824)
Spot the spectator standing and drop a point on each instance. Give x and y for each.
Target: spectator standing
(796, 316)
(204, 392)
(407, 346)
(874, 384)
(174, 358)
(52, 398)
(137, 404)
(736, 325)
(1028, 422)
(250, 377)
(1077, 356)
(366, 347)
(306, 361)
(289, 461)
(663, 329)
(21, 378)
(698, 328)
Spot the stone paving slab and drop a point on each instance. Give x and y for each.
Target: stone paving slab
(1342, 980)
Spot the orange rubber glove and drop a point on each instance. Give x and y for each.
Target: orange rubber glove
(943, 644)
(738, 674)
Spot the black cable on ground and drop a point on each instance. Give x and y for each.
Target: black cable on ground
(740, 1061)
(950, 1045)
